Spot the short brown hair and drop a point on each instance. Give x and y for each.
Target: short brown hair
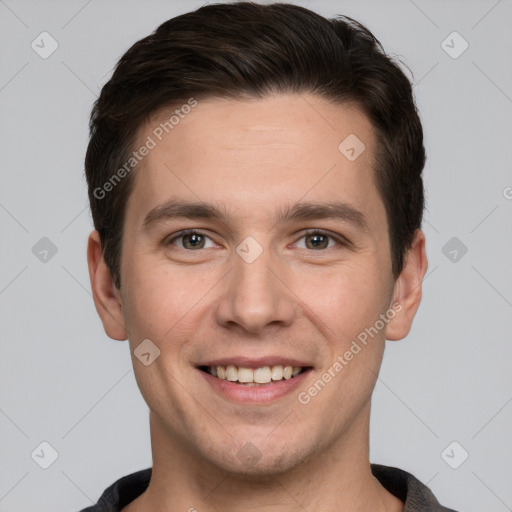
(246, 50)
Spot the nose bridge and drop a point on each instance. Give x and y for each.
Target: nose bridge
(255, 296)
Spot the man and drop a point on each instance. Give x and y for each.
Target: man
(255, 183)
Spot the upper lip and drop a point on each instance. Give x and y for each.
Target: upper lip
(258, 362)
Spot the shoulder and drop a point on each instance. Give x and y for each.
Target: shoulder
(406, 487)
(122, 492)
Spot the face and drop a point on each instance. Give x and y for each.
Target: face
(285, 264)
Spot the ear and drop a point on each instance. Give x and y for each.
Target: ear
(408, 289)
(107, 297)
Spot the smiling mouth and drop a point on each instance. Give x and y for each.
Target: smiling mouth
(262, 376)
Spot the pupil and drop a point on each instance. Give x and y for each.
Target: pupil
(316, 240)
(194, 239)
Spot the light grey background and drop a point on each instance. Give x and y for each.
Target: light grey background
(64, 382)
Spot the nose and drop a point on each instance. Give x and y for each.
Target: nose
(256, 293)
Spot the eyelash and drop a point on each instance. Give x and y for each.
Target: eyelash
(339, 239)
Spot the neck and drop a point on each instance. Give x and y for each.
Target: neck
(336, 478)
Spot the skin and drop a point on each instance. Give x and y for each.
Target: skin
(295, 300)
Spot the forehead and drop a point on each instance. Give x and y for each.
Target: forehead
(258, 154)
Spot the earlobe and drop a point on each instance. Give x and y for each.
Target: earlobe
(107, 297)
(408, 289)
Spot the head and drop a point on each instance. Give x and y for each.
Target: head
(273, 120)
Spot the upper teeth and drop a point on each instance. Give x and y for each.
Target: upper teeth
(262, 375)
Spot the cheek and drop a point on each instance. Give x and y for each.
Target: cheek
(348, 313)
(156, 299)
(160, 306)
(345, 299)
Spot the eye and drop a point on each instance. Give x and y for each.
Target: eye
(318, 239)
(190, 240)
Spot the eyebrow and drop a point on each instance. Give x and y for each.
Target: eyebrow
(300, 211)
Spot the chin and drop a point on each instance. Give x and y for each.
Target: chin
(250, 462)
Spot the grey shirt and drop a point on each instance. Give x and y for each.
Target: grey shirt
(416, 496)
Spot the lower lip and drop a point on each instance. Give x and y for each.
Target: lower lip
(254, 394)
